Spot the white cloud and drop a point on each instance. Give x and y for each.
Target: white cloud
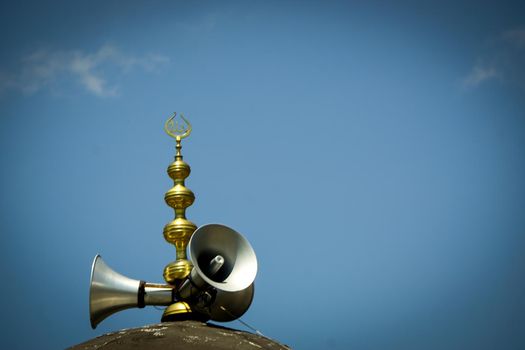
(93, 71)
(479, 74)
(502, 61)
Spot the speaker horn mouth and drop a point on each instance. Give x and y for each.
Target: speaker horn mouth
(239, 263)
(92, 320)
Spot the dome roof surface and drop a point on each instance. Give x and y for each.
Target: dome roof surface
(191, 335)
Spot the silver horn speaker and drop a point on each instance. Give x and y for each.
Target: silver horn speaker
(111, 292)
(224, 269)
(229, 306)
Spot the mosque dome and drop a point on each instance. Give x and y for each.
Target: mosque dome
(188, 335)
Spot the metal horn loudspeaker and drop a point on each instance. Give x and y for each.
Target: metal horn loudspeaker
(111, 292)
(224, 269)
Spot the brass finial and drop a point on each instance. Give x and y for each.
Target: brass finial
(178, 232)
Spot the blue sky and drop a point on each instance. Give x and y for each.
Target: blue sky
(372, 153)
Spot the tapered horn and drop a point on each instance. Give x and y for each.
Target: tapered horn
(224, 269)
(229, 306)
(111, 292)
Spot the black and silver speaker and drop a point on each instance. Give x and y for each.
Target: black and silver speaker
(225, 267)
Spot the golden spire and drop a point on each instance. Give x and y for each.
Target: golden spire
(178, 231)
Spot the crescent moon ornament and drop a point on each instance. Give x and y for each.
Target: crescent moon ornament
(176, 128)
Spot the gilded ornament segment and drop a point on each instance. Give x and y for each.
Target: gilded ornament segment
(179, 197)
(179, 229)
(179, 170)
(177, 270)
